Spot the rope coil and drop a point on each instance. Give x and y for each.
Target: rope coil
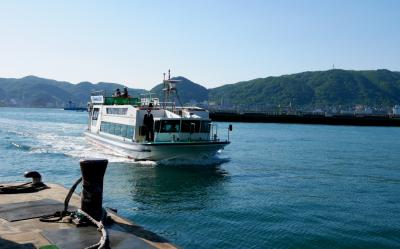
(23, 188)
(104, 240)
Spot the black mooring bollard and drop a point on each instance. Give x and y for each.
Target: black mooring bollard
(93, 171)
(36, 177)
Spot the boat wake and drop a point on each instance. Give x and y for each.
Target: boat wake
(20, 146)
(67, 139)
(53, 138)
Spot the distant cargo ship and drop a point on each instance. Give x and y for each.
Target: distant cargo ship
(73, 107)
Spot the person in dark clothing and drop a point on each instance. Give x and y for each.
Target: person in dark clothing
(117, 93)
(148, 123)
(125, 93)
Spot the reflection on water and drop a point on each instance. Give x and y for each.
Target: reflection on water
(177, 184)
(183, 186)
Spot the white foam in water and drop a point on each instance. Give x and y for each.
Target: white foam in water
(51, 137)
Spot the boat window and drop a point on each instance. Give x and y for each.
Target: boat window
(129, 131)
(190, 126)
(205, 126)
(103, 127)
(117, 111)
(123, 130)
(95, 114)
(112, 128)
(169, 126)
(157, 126)
(118, 129)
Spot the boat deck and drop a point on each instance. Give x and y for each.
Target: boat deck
(20, 227)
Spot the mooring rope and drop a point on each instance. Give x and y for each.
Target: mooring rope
(28, 187)
(69, 195)
(57, 216)
(104, 240)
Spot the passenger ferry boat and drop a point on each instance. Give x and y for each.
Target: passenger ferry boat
(179, 132)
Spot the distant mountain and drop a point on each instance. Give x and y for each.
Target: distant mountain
(317, 89)
(188, 91)
(32, 91)
(308, 89)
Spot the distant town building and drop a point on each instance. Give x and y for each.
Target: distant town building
(360, 109)
(318, 112)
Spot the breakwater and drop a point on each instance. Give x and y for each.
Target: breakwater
(358, 120)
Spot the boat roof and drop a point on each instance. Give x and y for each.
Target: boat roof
(171, 114)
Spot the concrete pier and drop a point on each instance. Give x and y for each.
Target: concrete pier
(20, 226)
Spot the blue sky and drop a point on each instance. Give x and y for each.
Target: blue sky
(210, 42)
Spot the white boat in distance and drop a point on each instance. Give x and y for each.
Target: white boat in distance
(121, 123)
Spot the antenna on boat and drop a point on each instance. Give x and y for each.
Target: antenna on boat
(170, 90)
(165, 92)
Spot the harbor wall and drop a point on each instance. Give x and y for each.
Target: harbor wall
(356, 120)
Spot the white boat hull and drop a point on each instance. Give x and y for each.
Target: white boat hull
(157, 151)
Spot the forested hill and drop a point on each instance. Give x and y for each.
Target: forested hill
(322, 88)
(308, 89)
(32, 91)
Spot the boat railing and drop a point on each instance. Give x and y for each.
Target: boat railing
(98, 93)
(148, 99)
(170, 106)
(102, 97)
(122, 101)
(214, 132)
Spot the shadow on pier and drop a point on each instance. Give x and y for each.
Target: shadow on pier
(13, 245)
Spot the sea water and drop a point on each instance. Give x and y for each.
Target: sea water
(274, 186)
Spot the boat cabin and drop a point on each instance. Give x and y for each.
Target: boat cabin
(122, 119)
(146, 129)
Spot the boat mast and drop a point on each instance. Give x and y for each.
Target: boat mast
(169, 89)
(165, 92)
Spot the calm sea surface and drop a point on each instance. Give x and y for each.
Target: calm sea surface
(275, 186)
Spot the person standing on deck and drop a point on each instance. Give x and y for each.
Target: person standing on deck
(125, 93)
(117, 93)
(148, 123)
